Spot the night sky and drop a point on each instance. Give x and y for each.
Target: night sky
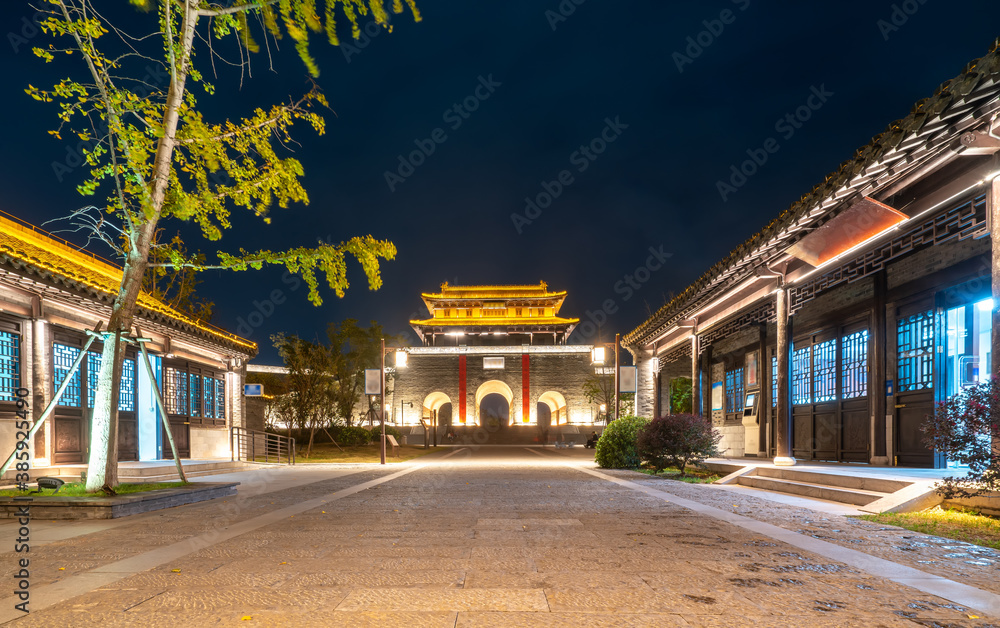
(553, 83)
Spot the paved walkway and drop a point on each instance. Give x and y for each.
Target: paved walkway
(493, 537)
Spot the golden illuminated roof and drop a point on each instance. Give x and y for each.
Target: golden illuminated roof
(495, 321)
(26, 245)
(468, 296)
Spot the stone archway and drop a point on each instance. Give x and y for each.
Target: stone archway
(436, 402)
(495, 387)
(557, 407)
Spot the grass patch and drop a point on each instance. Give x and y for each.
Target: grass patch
(78, 489)
(961, 525)
(327, 452)
(693, 475)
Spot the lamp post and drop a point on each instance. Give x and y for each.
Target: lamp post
(400, 363)
(597, 357)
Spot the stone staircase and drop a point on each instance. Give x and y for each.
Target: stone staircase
(854, 489)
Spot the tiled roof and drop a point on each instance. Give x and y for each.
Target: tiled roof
(26, 246)
(931, 125)
(494, 292)
(512, 321)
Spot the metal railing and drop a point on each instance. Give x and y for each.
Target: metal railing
(255, 446)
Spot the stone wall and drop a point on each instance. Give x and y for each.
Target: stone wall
(436, 369)
(209, 443)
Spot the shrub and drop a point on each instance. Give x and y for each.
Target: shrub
(353, 436)
(966, 428)
(616, 446)
(677, 440)
(376, 433)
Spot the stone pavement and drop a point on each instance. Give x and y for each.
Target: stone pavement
(493, 537)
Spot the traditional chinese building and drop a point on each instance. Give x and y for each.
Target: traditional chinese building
(507, 341)
(51, 293)
(831, 333)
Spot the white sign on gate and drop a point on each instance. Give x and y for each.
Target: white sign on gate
(373, 381)
(626, 380)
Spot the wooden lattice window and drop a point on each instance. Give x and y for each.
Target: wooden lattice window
(175, 390)
(824, 375)
(734, 390)
(854, 365)
(63, 357)
(220, 399)
(774, 381)
(802, 376)
(10, 365)
(196, 399)
(915, 352)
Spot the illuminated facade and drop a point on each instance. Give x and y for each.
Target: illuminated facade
(495, 357)
(51, 293)
(832, 333)
(494, 316)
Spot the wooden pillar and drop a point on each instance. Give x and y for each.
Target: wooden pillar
(695, 388)
(878, 370)
(783, 416)
(764, 394)
(993, 211)
(706, 381)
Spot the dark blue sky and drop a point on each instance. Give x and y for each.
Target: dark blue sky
(552, 90)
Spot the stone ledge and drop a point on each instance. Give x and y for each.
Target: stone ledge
(112, 507)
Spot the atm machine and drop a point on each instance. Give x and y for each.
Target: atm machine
(751, 424)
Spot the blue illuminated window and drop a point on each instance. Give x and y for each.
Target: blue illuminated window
(854, 365)
(209, 384)
(196, 398)
(10, 364)
(802, 376)
(63, 357)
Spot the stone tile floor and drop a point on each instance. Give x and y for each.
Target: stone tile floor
(492, 537)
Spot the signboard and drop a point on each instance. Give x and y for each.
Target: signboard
(717, 396)
(373, 381)
(253, 390)
(626, 381)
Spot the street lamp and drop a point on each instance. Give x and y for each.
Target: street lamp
(400, 363)
(604, 409)
(597, 356)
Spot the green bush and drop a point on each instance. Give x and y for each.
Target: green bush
(677, 440)
(616, 448)
(376, 433)
(353, 436)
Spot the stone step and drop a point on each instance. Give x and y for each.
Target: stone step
(853, 482)
(855, 496)
(71, 473)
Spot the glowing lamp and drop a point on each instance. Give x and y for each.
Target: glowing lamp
(597, 355)
(401, 359)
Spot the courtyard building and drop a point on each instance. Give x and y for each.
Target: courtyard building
(51, 294)
(831, 333)
(495, 357)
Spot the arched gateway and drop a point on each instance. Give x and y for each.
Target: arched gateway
(497, 350)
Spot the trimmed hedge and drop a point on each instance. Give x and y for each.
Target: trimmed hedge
(616, 447)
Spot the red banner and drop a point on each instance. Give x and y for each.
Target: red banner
(461, 389)
(525, 388)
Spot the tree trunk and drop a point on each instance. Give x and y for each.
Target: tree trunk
(102, 465)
